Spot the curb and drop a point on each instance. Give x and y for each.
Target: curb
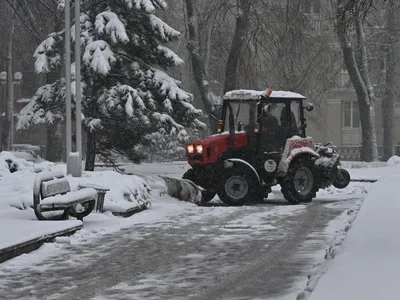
(31, 245)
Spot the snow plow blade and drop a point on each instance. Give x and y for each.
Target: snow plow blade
(183, 189)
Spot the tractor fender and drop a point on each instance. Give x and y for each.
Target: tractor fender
(302, 151)
(228, 163)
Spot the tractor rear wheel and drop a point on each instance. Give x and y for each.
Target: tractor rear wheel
(300, 185)
(239, 186)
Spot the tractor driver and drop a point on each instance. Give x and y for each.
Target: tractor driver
(291, 129)
(269, 127)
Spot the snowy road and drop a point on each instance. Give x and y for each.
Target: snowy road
(206, 253)
(252, 252)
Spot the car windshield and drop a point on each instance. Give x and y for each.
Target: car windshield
(243, 111)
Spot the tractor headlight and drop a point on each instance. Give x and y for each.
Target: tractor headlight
(199, 149)
(190, 148)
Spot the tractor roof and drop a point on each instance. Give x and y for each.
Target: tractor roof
(255, 95)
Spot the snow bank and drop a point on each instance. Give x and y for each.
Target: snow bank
(125, 191)
(23, 226)
(16, 188)
(393, 161)
(8, 161)
(365, 267)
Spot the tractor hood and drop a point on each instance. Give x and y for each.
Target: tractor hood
(220, 138)
(209, 149)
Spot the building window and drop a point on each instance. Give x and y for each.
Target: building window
(351, 115)
(311, 10)
(311, 6)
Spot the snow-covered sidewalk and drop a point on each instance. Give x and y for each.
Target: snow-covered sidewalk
(366, 265)
(21, 232)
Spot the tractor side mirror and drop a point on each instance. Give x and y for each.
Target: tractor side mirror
(309, 107)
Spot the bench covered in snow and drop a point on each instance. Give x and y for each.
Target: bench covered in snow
(52, 192)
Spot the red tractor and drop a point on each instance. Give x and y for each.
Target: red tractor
(261, 142)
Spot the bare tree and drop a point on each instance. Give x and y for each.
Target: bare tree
(351, 14)
(35, 19)
(198, 64)
(201, 41)
(238, 40)
(8, 126)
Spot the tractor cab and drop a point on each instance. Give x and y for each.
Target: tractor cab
(268, 117)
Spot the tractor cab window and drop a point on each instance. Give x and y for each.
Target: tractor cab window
(273, 111)
(272, 136)
(295, 118)
(243, 112)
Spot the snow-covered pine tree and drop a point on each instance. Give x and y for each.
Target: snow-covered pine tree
(128, 98)
(167, 147)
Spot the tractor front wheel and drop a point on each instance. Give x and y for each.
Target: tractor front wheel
(239, 186)
(207, 195)
(300, 185)
(342, 179)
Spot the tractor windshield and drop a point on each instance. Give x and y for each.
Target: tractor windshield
(243, 112)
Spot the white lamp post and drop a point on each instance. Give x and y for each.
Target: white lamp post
(74, 160)
(3, 76)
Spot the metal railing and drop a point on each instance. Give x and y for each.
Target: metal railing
(353, 153)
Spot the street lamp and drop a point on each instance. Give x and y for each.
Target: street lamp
(3, 76)
(74, 161)
(18, 76)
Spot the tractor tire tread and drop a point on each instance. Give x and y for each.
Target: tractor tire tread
(287, 186)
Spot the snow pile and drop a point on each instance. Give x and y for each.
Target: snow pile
(10, 163)
(364, 266)
(126, 192)
(16, 187)
(393, 161)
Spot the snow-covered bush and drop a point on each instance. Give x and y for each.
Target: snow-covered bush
(10, 164)
(127, 94)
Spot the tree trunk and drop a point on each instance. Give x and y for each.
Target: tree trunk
(54, 145)
(199, 71)
(389, 102)
(241, 28)
(54, 142)
(90, 150)
(369, 150)
(8, 123)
